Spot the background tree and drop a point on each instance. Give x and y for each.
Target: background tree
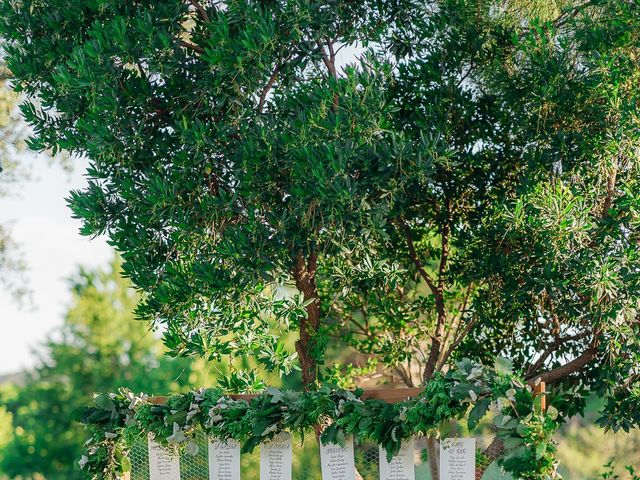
(12, 132)
(467, 186)
(99, 348)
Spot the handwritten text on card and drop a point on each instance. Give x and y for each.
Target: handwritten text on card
(458, 459)
(163, 465)
(275, 458)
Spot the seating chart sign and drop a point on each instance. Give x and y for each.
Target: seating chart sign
(338, 462)
(458, 459)
(401, 466)
(224, 460)
(275, 458)
(163, 465)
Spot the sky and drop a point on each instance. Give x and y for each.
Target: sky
(52, 248)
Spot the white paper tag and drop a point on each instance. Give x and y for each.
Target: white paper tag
(458, 459)
(275, 458)
(163, 465)
(224, 460)
(401, 466)
(337, 462)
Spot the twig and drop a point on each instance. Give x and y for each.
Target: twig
(191, 46)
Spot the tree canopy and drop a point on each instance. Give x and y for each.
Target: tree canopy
(464, 184)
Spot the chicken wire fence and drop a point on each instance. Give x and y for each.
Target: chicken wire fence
(306, 461)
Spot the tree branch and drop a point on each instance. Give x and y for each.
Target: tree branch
(437, 290)
(414, 256)
(328, 61)
(611, 190)
(456, 343)
(267, 87)
(574, 366)
(198, 6)
(551, 348)
(454, 328)
(444, 254)
(565, 17)
(191, 46)
(437, 341)
(304, 273)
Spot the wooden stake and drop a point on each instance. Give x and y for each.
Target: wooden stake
(540, 390)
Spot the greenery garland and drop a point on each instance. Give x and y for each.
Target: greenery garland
(470, 390)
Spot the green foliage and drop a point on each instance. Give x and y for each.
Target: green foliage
(609, 474)
(116, 419)
(466, 187)
(100, 347)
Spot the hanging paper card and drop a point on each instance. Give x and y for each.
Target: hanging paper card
(224, 460)
(163, 464)
(401, 466)
(458, 459)
(337, 462)
(275, 458)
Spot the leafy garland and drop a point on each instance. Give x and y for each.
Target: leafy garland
(470, 390)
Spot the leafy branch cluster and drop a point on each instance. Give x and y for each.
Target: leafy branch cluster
(469, 391)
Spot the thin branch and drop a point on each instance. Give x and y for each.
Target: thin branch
(191, 46)
(329, 62)
(456, 343)
(455, 326)
(267, 87)
(414, 256)
(404, 375)
(611, 190)
(198, 6)
(564, 18)
(363, 331)
(332, 54)
(444, 254)
(466, 300)
(436, 342)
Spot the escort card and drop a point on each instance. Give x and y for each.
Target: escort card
(163, 465)
(224, 460)
(275, 458)
(401, 466)
(337, 462)
(458, 459)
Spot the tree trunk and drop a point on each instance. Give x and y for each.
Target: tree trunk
(494, 451)
(305, 277)
(433, 457)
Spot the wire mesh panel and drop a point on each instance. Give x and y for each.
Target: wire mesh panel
(306, 461)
